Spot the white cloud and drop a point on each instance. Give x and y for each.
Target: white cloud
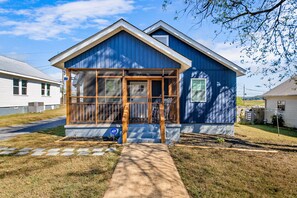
(53, 21)
(2, 1)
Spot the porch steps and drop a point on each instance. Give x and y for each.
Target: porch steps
(143, 133)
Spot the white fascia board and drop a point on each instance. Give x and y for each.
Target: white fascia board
(60, 59)
(29, 77)
(162, 25)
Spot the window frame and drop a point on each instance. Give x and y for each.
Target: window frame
(205, 80)
(43, 89)
(48, 89)
(14, 86)
(281, 102)
(26, 87)
(162, 36)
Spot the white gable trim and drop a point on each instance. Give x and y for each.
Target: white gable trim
(162, 25)
(28, 77)
(60, 59)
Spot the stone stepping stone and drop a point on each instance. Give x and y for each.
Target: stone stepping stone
(111, 149)
(83, 149)
(83, 153)
(3, 148)
(68, 149)
(10, 149)
(22, 153)
(6, 152)
(39, 150)
(98, 153)
(38, 153)
(98, 149)
(67, 153)
(53, 153)
(25, 149)
(53, 150)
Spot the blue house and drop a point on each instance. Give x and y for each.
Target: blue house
(147, 86)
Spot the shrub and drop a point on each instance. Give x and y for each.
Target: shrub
(281, 121)
(220, 140)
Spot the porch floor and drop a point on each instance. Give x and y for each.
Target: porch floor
(146, 170)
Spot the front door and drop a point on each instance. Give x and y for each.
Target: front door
(138, 99)
(144, 97)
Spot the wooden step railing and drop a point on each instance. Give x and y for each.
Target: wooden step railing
(162, 123)
(125, 122)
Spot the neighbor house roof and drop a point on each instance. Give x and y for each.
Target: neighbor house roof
(287, 88)
(61, 58)
(14, 67)
(162, 25)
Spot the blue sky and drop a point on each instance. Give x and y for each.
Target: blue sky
(35, 30)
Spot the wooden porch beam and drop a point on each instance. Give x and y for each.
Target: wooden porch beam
(68, 94)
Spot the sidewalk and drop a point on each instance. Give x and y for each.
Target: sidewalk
(146, 170)
(9, 132)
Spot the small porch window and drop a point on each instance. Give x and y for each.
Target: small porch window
(198, 90)
(162, 38)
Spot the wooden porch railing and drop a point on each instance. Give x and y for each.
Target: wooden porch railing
(125, 122)
(85, 113)
(162, 123)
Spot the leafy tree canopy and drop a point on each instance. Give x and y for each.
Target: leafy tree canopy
(265, 29)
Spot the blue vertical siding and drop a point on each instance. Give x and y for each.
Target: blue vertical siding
(220, 106)
(122, 51)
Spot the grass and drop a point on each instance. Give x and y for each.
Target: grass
(57, 176)
(225, 173)
(218, 173)
(249, 103)
(25, 118)
(266, 134)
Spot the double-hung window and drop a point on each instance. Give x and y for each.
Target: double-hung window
(198, 90)
(48, 89)
(16, 86)
(24, 87)
(43, 89)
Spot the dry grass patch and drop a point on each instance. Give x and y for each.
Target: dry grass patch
(25, 118)
(217, 173)
(265, 134)
(58, 176)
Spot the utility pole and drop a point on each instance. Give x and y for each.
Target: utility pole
(243, 92)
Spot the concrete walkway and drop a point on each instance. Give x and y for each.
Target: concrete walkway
(146, 170)
(9, 132)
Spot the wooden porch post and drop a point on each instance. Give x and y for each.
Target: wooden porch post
(68, 94)
(124, 123)
(177, 97)
(149, 89)
(96, 102)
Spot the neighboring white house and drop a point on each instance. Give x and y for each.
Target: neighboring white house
(283, 98)
(21, 83)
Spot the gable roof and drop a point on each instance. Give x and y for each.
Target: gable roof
(287, 88)
(18, 68)
(162, 25)
(61, 58)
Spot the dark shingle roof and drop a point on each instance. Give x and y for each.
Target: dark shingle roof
(287, 88)
(21, 68)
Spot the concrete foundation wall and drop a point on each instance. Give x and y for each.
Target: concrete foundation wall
(22, 109)
(225, 129)
(102, 130)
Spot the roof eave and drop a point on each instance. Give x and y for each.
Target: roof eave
(162, 25)
(60, 59)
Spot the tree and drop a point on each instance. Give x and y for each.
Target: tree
(265, 29)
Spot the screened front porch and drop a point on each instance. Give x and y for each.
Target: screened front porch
(96, 96)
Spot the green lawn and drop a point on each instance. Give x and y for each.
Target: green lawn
(18, 119)
(54, 176)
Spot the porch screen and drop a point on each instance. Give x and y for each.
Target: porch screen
(198, 90)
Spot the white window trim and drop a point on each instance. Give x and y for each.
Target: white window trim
(204, 85)
(162, 36)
